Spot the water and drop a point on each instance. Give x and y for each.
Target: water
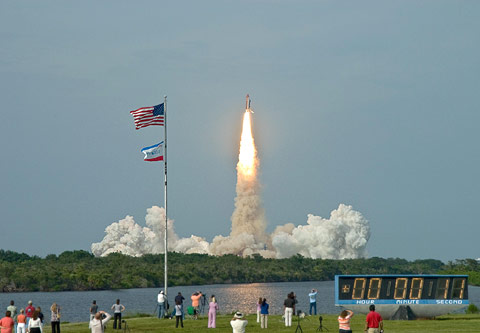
(75, 305)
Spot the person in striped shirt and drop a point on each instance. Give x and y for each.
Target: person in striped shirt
(344, 321)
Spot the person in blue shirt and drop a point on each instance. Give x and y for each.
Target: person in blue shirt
(264, 314)
(313, 301)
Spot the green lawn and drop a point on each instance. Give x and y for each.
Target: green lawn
(448, 323)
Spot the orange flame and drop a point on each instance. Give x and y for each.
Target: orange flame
(248, 154)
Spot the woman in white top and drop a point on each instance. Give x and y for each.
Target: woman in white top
(117, 314)
(35, 324)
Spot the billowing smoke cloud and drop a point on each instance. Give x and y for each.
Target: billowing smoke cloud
(344, 235)
(128, 237)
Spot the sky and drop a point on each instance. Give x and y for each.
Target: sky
(373, 104)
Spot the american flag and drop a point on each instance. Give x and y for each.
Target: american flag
(150, 115)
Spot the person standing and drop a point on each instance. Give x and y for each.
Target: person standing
(40, 314)
(374, 321)
(264, 314)
(344, 321)
(238, 323)
(93, 309)
(29, 310)
(161, 304)
(35, 324)
(259, 304)
(7, 323)
(178, 314)
(117, 314)
(195, 301)
(313, 302)
(289, 308)
(21, 322)
(180, 299)
(13, 310)
(55, 318)
(212, 312)
(97, 323)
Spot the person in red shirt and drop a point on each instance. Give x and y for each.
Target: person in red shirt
(374, 322)
(6, 323)
(29, 310)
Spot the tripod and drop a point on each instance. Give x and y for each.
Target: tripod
(320, 327)
(125, 327)
(299, 328)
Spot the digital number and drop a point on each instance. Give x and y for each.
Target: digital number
(458, 287)
(442, 288)
(359, 288)
(374, 288)
(400, 288)
(416, 289)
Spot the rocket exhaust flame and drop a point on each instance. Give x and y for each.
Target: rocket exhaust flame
(248, 154)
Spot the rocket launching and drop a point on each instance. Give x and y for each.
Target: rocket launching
(343, 235)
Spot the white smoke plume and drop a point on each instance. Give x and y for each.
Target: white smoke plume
(344, 235)
(128, 237)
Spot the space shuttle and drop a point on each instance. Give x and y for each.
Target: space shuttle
(247, 104)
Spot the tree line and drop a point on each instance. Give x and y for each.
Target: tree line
(81, 270)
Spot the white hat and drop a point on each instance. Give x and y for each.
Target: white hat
(238, 315)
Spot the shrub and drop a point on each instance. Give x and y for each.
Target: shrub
(472, 309)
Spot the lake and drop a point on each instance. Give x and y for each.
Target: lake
(75, 305)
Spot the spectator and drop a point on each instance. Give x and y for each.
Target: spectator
(161, 304)
(195, 301)
(212, 312)
(35, 324)
(238, 323)
(344, 321)
(93, 310)
(264, 314)
(117, 314)
(40, 314)
(13, 310)
(313, 301)
(21, 322)
(180, 298)
(55, 318)
(98, 322)
(178, 314)
(29, 310)
(374, 321)
(289, 308)
(6, 323)
(259, 304)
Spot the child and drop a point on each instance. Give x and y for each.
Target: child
(178, 313)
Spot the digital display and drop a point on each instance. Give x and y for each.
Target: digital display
(402, 288)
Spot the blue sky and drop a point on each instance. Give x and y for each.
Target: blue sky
(373, 104)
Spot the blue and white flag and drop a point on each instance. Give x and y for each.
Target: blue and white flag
(154, 153)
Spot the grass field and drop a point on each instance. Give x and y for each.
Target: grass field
(448, 323)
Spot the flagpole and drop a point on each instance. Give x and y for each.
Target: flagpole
(165, 196)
